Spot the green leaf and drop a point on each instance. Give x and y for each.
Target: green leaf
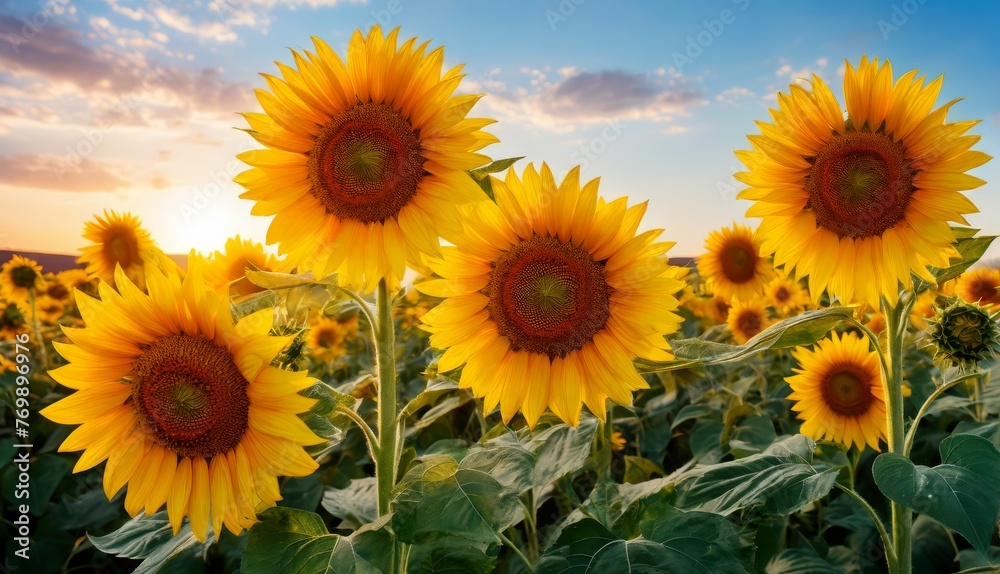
(960, 493)
(296, 541)
(803, 329)
(691, 412)
(450, 555)
(780, 480)
(670, 540)
(273, 281)
(753, 435)
(324, 418)
(971, 250)
(475, 498)
(436, 387)
(802, 560)
(302, 492)
(561, 449)
(356, 504)
(497, 166)
(151, 539)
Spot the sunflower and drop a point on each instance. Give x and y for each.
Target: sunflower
(746, 319)
(367, 158)
(18, 276)
(49, 309)
(786, 295)
(55, 289)
(857, 204)
(550, 295)
(876, 322)
(328, 336)
(838, 392)
(74, 279)
(980, 286)
(11, 320)
(182, 402)
(733, 268)
(229, 266)
(119, 239)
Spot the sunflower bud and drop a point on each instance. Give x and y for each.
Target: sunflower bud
(965, 334)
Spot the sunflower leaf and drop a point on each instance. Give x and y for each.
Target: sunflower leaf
(780, 480)
(481, 173)
(292, 540)
(803, 329)
(151, 539)
(666, 540)
(960, 493)
(971, 250)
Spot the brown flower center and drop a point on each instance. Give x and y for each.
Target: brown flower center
(781, 294)
(57, 290)
(190, 396)
(983, 291)
(23, 276)
(847, 391)
(122, 247)
(749, 323)
(548, 297)
(739, 261)
(860, 184)
(367, 163)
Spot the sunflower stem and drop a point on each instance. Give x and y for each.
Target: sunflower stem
(387, 458)
(890, 557)
(897, 317)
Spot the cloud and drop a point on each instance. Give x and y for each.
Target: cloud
(55, 173)
(127, 88)
(590, 97)
(217, 30)
(198, 138)
(734, 94)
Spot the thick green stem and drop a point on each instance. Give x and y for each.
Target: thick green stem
(387, 458)
(896, 319)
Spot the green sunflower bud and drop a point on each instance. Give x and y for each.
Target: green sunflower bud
(964, 334)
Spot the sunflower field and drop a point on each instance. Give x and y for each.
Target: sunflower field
(450, 363)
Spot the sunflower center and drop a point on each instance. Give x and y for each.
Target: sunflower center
(367, 163)
(983, 291)
(860, 184)
(749, 323)
(548, 297)
(781, 294)
(847, 393)
(23, 276)
(121, 248)
(739, 261)
(57, 290)
(190, 396)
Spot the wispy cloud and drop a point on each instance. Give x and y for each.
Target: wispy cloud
(581, 97)
(53, 172)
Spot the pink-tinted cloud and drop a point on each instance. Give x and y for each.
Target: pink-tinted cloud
(55, 173)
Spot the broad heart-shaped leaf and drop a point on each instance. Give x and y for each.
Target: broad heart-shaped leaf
(669, 541)
(149, 538)
(962, 492)
(780, 480)
(971, 250)
(803, 329)
(451, 555)
(475, 498)
(561, 449)
(289, 540)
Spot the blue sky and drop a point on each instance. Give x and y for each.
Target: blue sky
(130, 106)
